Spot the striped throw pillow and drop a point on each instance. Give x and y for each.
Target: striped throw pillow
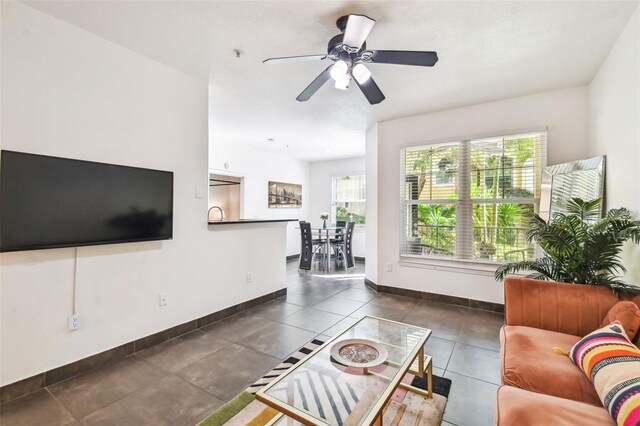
(612, 363)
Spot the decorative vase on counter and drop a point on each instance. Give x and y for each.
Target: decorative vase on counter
(324, 224)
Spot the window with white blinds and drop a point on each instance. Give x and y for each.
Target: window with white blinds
(349, 199)
(471, 200)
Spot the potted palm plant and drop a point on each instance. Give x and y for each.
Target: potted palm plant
(579, 247)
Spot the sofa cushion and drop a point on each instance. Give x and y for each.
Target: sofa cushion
(528, 362)
(612, 363)
(636, 341)
(523, 408)
(628, 314)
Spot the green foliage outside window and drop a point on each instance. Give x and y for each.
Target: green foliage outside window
(499, 224)
(344, 215)
(439, 232)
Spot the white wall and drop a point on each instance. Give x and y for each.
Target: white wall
(258, 168)
(68, 93)
(563, 111)
(614, 114)
(371, 168)
(321, 174)
(614, 129)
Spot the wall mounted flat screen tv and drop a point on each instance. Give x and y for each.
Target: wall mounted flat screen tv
(50, 202)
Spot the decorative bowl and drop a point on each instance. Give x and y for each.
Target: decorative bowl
(359, 353)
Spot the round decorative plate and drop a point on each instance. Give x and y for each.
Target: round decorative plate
(359, 353)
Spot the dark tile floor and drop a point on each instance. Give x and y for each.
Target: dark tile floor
(184, 379)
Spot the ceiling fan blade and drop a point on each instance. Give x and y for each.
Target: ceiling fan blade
(357, 29)
(404, 57)
(315, 85)
(294, 59)
(371, 91)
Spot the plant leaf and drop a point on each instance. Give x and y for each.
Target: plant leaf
(585, 210)
(579, 247)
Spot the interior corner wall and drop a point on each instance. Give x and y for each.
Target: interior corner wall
(371, 176)
(614, 118)
(258, 168)
(321, 174)
(68, 93)
(614, 129)
(564, 112)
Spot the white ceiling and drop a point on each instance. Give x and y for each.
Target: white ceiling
(487, 50)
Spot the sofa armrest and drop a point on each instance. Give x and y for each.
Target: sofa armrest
(565, 308)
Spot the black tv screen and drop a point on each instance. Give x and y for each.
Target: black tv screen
(49, 202)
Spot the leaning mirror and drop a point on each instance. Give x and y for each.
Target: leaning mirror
(560, 183)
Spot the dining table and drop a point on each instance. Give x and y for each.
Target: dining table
(326, 234)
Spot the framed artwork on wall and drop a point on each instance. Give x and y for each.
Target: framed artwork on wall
(285, 195)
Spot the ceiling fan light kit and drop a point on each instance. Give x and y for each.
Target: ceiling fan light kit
(343, 82)
(361, 73)
(339, 70)
(349, 52)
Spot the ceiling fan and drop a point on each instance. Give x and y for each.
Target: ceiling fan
(349, 53)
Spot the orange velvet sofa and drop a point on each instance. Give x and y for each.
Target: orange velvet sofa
(540, 387)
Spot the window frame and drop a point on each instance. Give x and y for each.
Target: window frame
(455, 263)
(333, 213)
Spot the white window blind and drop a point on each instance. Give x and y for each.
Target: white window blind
(471, 199)
(349, 199)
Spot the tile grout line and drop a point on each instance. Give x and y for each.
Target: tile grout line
(322, 300)
(46, 388)
(471, 377)
(321, 310)
(174, 374)
(113, 402)
(451, 355)
(216, 396)
(275, 322)
(169, 373)
(311, 331)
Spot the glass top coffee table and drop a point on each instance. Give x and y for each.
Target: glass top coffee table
(320, 390)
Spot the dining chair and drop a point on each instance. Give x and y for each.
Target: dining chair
(345, 247)
(308, 246)
(338, 239)
(339, 232)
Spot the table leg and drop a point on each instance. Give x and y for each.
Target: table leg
(321, 249)
(377, 421)
(426, 371)
(430, 379)
(325, 262)
(328, 243)
(275, 420)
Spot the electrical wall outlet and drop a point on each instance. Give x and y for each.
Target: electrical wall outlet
(389, 267)
(249, 277)
(73, 322)
(162, 299)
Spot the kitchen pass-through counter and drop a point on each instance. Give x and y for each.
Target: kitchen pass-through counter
(240, 221)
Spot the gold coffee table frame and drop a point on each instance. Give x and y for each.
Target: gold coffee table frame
(374, 417)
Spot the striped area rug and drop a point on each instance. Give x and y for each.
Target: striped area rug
(406, 408)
